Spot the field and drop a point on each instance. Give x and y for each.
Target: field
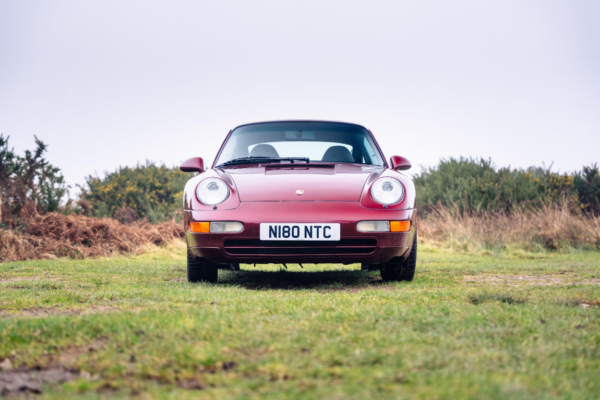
(501, 326)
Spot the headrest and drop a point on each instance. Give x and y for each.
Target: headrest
(264, 150)
(338, 154)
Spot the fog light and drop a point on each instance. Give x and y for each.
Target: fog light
(399, 226)
(200, 227)
(226, 227)
(373, 226)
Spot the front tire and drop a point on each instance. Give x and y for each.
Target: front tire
(201, 270)
(397, 270)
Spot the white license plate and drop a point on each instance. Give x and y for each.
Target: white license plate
(299, 231)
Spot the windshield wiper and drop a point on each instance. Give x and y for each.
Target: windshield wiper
(260, 159)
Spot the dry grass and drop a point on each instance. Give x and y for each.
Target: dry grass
(550, 228)
(75, 236)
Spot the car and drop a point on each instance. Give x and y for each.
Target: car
(300, 192)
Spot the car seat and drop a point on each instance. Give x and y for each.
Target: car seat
(338, 154)
(264, 150)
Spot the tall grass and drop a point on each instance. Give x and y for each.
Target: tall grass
(550, 227)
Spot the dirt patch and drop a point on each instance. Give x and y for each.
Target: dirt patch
(578, 302)
(25, 380)
(54, 311)
(71, 353)
(190, 384)
(530, 280)
(20, 279)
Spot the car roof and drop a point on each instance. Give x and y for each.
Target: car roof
(299, 120)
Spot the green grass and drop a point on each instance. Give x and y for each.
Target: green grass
(467, 327)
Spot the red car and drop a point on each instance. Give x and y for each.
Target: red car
(300, 192)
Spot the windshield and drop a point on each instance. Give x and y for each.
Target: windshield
(314, 141)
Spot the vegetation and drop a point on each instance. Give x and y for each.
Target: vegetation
(76, 236)
(478, 186)
(29, 184)
(467, 327)
(553, 227)
(469, 185)
(149, 191)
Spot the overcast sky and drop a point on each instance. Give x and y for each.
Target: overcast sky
(110, 83)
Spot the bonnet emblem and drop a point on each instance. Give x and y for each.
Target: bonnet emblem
(299, 192)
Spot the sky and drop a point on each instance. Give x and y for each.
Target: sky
(113, 83)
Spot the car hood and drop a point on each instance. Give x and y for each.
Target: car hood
(339, 182)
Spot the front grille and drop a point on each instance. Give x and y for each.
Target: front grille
(308, 247)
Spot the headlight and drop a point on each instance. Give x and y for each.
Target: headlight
(387, 191)
(212, 191)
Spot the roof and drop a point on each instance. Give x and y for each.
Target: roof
(300, 120)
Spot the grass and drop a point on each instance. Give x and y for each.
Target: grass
(552, 227)
(468, 327)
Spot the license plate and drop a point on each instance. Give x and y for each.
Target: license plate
(299, 231)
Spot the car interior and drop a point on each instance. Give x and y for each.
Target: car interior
(335, 142)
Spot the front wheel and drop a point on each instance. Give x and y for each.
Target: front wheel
(397, 270)
(201, 270)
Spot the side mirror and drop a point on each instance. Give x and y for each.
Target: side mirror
(194, 164)
(400, 163)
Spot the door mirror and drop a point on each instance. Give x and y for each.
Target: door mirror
(400, 163)
(194, 164)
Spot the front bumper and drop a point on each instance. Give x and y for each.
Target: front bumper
(353, 247)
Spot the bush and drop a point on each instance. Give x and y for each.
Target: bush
(29, 184)
(587, 185)
(472, 185)
(155, 192)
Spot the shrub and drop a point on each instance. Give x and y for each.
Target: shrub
(28, 184)
(587, 185)
(155, 192)
(473, 185)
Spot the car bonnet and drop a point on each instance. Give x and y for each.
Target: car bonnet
(300, 182)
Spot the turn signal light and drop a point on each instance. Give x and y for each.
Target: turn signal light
(200, 227)
(216, 227)
(399, 226)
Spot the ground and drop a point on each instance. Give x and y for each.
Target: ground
(468, 327)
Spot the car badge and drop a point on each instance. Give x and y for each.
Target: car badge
(299, 192)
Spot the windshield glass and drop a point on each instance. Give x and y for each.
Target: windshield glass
(317, 141)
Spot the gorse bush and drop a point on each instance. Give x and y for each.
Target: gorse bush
(472, 185)
(151, 191)
(29, 184)
(587, 185)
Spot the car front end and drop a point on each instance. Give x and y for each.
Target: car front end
(300, 210)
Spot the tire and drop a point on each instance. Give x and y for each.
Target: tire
(201, 270)
(398, 270)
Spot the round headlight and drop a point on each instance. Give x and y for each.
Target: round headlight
(387, 191)
(212, 191)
